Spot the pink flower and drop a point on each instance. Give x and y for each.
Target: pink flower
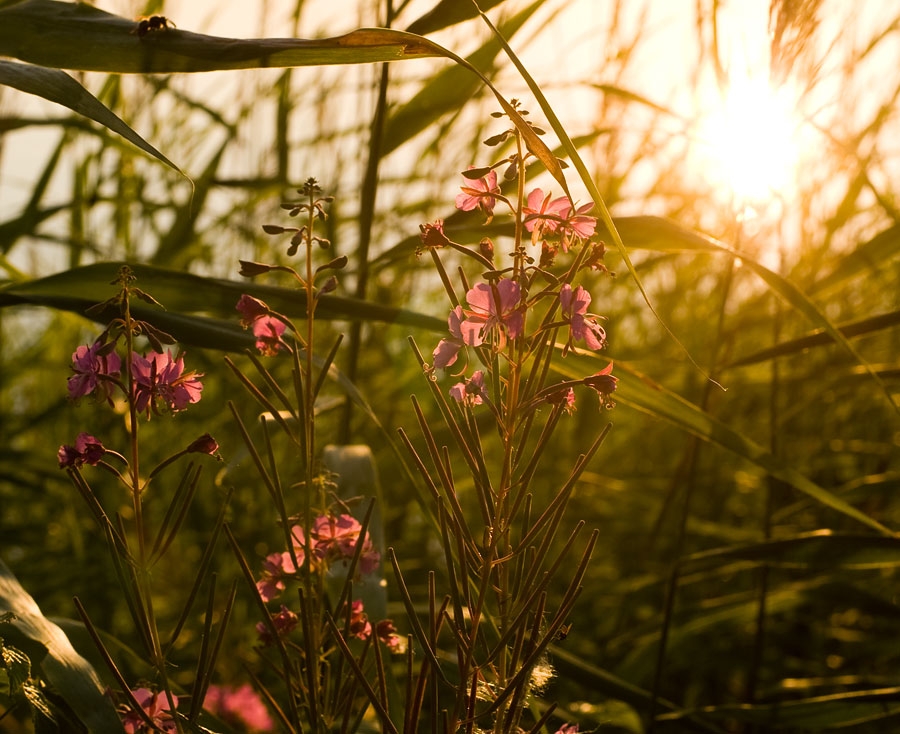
(241, 708)
(387, 633)
(432, 236)
(447, 349)
(492, 306)
(582, 325)
(472, 392)
(604, 382)
(206, 444)
(87, 450)
(275, 567)
(155, 705)
(581, 224)
(360, 627)
(566, 398)
(251, 309)
(542, 216)
(568, 729)
(336, 539)
(96, 368)
(481, 193)
(268, 331)
(284, 621)
(160, 377)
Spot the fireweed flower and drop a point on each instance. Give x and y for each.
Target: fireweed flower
(94, 371)
(582, 326)
(87, 450)
(251, 309)
(206, 444)
(284, 621)
(481, 193)
(155, 705)
(566, 398)
(360, 627)
(493, 307)
(268, 331)
(387, 633)
(275, 567)
(568, 729)
(432, 236)
(604, 382)
(472, 392)
(447, 349)
(160, 377)
(336, 539)
(542, 216)
(240, 707)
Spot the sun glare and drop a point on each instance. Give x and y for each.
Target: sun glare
(750, 137)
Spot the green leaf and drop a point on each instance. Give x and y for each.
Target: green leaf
(79, 36)
(447, 13)
(69, 673)
(16, 665)
(183, 293)
(820, 337)
(642, 393)
(59, 87)
(870, 256)
(821, 549)
(810, 714)
(610, 685)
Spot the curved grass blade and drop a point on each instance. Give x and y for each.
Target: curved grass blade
(819, 713)
(447, 13)
(821, 549)
(602, 681)
(59, 87)
(69, 673)
(450, 88)
(869, 256)
(641, 393)
(818, 338)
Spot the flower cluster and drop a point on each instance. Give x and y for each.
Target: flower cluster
(332, 540)
(495, 311)
(158, 379)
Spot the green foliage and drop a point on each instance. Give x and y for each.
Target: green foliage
(746, 565)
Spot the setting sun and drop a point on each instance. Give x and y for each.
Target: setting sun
(749, 135)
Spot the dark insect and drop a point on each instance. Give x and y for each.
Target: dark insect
(563, 632)
(152, 24)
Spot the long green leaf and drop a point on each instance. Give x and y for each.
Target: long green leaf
(59, 87)
(447, 13)
(820, 549)
(183, 293)
(69, 673)
(79, 36)
(819, 713)
(642, 393)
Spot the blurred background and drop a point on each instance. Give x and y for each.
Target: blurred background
(770, 129)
